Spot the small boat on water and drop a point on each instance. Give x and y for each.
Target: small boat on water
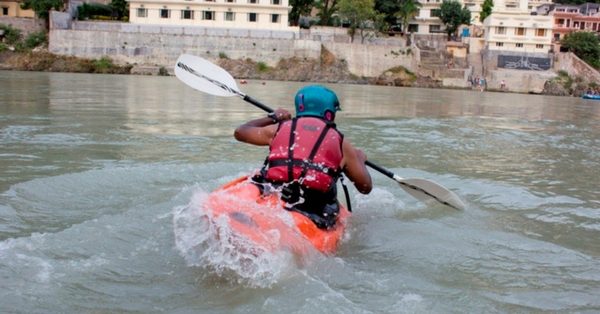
(591, 96)
(264, 223)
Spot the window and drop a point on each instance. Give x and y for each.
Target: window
(435, 12)
(230, 1)
(252, 17)
(560, 22)
(556, 36)
(520, 31)
(252, 1)
(208, 15)
(519, 45)
(142, 12)
(539, 46)
(165, 13)
(187, 14)
(229, 16)
(540, 32)
(500, 30)
(274, 18)
(434, 28)
(499, 44)
(413, 28)
(275, 2)
(4, 11)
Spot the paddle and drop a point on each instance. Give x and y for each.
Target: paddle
(207, 77)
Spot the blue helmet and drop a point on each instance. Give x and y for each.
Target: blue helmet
(316, 101)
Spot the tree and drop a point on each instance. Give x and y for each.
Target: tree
(42, 7)
(299, 8)
(359, 13)
(326, 10)
(584, 45)
(486, 9)
(407, 11)
(453, 16)
(388, 8)
(120, 8)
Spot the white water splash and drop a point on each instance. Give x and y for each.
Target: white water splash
(210, 243)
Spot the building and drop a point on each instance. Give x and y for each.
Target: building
(517, 30)
(246, 14)
(427, 20)
(567, 19)
(12, 8)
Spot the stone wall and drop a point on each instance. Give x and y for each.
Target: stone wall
(26, 25)
(161, 45)
(575, 67)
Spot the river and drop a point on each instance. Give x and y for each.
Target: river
(99, 175)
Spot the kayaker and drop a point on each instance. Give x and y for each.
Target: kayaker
(307, 166)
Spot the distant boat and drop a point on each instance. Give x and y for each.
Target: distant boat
(590, 96)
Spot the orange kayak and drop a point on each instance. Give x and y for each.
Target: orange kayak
(264, 222)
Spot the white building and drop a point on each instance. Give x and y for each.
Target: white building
(515, 29)
(247, 14)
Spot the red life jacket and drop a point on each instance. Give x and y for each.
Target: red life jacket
(312, 155)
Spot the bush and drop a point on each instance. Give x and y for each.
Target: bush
(12, 36)
(88, 10)
(262, 67)
(223, 55)
(35, 39)
(103, 65)
(3, 47)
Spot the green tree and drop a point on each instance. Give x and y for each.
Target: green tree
(453, 16)
(299, 8)
(327, 8)
(360, 14)
(42, 7)
(120, 8)
(584, 45)
(486, 9)
(407, 10)
(388, 8)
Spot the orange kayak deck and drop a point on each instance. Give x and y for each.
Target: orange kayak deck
(264, 222)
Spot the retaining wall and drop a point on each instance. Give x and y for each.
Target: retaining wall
(161, 45)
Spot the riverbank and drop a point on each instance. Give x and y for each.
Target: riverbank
(326, 69)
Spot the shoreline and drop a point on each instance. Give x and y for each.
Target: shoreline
(296, 70)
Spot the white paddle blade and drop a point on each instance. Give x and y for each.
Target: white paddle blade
(424, 190)
(203, 75)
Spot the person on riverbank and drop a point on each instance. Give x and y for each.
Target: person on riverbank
(307, 155)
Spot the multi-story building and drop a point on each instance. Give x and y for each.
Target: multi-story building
(567, 19)
(12, 8)
(516, 29)
(427, 20)
(248, 14)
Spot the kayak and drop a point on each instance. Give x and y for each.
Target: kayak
(590, 96)
(263, 222)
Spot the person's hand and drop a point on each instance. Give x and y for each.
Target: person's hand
(280, 114)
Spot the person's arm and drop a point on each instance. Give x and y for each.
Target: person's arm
(261, 131)
(355, 168)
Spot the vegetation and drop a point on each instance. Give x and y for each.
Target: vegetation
(453, 15)
(360, 14)
(42, 7)
(407, 10)
(14, 38)
(486, 9)
(120, 9)
(584, 45)
(327, 9)
(299, 8)
(262, 67)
